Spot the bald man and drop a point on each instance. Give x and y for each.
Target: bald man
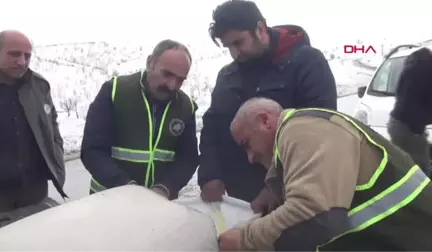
(31, 148)
(341, 186)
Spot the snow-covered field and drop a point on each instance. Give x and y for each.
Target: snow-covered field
(71, 130)
(348, 77)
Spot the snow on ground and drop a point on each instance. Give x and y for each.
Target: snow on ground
(348, 77)
(71, 130)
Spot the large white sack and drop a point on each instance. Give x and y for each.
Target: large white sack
(230, 212)
(125, 218)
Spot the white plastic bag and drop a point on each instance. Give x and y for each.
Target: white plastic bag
(127, 218)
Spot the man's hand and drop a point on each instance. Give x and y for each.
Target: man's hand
(161, 190)
(264, 202)
(230, 240)
(213, 191)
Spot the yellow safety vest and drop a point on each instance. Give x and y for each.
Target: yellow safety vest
(137, 150)
(394, 187)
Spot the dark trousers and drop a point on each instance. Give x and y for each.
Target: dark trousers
(415, 145)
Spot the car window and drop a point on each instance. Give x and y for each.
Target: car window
(386, 79)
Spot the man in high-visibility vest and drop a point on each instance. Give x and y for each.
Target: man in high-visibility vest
(341, 185)
(140, 129)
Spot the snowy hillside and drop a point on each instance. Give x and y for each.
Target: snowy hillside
(76, 72)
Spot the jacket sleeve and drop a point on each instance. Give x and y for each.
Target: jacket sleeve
(315, 80)
(316, 201)
(210, 168)
(97, 141)
(186, 160)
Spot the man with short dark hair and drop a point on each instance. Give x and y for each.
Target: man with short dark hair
(278, 63)
(31, 148)
(140, 128)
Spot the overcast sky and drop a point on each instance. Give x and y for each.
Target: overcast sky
(329, 23)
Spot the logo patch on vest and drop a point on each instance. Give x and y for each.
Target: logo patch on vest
(176, 127)
(47, 109)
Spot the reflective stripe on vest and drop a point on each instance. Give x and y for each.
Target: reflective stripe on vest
(141, 156)
(95, 186)
(386, 202)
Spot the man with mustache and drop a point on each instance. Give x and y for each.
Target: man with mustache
(273, 62)
(31, 148)
(357, 193)
(140, 128)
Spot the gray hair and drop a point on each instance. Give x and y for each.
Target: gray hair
(249, 109)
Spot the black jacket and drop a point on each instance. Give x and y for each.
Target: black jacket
(292, 73)
(414, 92)
(35, 102)
(98, 138)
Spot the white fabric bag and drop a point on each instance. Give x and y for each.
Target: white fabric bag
(127, 218)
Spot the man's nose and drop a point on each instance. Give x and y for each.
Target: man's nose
(173, 84)
(21, 60)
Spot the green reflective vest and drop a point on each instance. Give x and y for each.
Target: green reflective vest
(393, 210)
(140, 149)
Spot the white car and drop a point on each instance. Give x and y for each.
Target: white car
(377, 99)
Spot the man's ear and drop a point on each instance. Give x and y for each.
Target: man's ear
(261, 30)
(263, 118)
(149, 62)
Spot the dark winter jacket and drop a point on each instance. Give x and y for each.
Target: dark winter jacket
(413, 108)
(292, 73)
(99, 135)
(31, 147)
(414, 92)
